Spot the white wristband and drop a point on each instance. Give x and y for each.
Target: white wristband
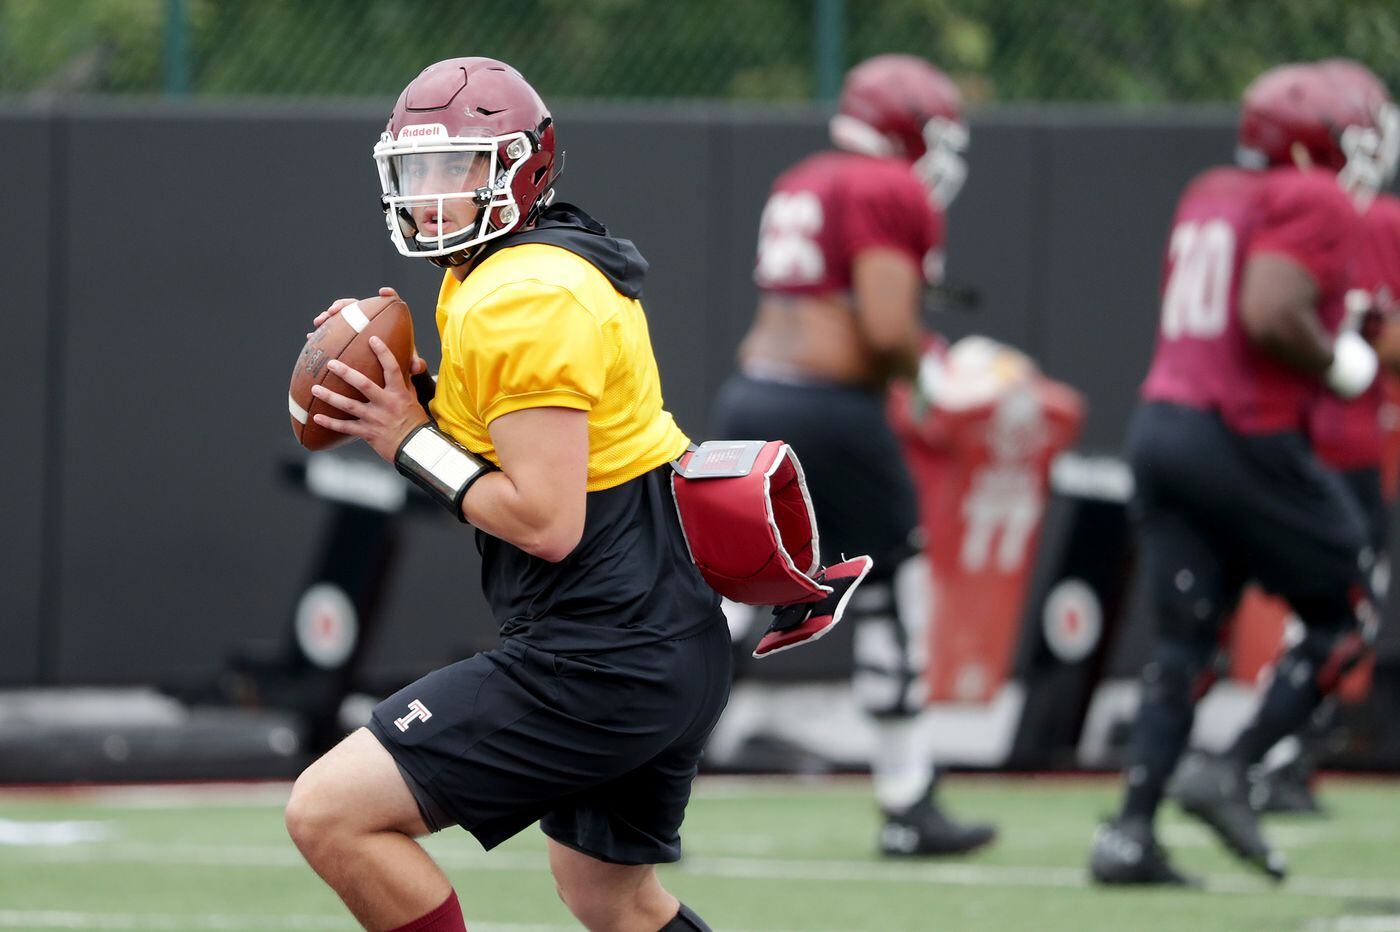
(932, 375)
(440, 466)
(1354, 365)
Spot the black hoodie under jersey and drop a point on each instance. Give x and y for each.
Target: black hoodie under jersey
(569, 227)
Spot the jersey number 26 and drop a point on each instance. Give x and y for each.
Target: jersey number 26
(788, 253)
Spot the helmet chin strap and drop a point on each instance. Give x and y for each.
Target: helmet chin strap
(456, 259)
(857, 136)
(1300, 155)
(459, 257)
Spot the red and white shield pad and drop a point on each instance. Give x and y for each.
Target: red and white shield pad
(748, 521)
(807, 621)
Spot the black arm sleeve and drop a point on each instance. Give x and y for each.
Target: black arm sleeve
(425, 384)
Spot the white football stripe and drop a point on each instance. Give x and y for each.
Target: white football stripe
(146, 922)
(454, 857)
(355, 317)
(296, 410)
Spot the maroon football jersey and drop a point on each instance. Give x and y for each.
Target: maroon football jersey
(1204, 358)
(829, 207)
(1347, 434)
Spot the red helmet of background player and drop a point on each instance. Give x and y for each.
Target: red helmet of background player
(1310, 107)
(467, 131)
(1287, 106)
(1371, 141)
(900, 106)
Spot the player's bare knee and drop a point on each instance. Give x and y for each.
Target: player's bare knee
(599, 907)
(578, 897)
(298, 816)
(593, 912)
(310, 815)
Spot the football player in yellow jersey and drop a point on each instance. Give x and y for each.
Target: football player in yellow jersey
(545, 431)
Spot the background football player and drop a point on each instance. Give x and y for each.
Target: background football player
(1347, 434)
(847, 242)
(1227, 487)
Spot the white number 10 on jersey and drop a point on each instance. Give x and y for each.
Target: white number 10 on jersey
(1197, 300)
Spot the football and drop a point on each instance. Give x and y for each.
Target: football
(345, 336)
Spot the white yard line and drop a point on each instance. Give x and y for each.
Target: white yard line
(744, 868)
(101, 922)
(56, 919)
(157, 795)
(991, 875)
(63, 919)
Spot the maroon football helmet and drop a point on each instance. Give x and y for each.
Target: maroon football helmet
(900, 106)
(1287, 105)
(468, 155)
(1336, 114)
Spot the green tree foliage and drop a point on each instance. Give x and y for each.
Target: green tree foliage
(80, 45)
(1128, 51)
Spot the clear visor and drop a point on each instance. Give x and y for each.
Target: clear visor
(433, 174)
(438, 196)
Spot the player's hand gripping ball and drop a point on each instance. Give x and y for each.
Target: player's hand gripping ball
(345, 336)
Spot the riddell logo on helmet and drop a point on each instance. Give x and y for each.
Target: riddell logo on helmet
(422, 131)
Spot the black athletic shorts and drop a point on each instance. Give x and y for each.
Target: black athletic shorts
(600, 748)
(861, 489)
(1216, 508)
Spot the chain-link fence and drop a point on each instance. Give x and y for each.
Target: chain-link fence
(1133, 51)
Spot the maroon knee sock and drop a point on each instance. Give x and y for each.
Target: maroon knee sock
(446, 918)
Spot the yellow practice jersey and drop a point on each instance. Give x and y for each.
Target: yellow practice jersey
(535, 326)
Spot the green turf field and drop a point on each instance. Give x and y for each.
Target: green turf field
(764, 854)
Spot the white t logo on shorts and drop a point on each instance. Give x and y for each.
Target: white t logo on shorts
(417, 712)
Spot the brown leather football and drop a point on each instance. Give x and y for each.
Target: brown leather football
(345, 336)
